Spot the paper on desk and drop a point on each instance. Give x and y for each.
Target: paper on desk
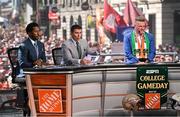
(88, 57)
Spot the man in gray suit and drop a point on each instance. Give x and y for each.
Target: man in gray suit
(75, 49)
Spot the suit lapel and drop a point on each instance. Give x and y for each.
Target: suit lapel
(33, 50)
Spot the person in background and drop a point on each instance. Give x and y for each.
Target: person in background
(139, 46)
(32, 51)
(75, 49)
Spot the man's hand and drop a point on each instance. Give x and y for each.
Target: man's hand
(38, 62)
(85, 62)
(143, 62)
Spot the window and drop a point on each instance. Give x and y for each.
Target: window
(70, 4)
(64, 19)
(71, 21)
(177, 26)
(78, 3)
(152, 23)
(79, 20)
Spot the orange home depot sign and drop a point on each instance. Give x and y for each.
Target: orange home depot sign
(50, 100)
(152, 101)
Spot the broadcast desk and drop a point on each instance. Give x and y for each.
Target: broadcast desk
(94, 90)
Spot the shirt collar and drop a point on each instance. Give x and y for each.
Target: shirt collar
(32, 41)
(74, 42)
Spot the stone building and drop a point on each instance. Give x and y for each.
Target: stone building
(163, 16)
(77, 12)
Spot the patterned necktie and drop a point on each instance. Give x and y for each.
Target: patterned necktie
(78, 49)
(36, 48)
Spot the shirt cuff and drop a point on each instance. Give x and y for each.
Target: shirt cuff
(79, 61)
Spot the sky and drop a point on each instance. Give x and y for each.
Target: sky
(3, 1)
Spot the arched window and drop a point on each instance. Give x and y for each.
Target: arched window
(71, 21)
(64, 19)
(94, 1)
(79, 20)
(73, 2)
(64, 31)
(78, 3)
(70, 4)
(64, 3)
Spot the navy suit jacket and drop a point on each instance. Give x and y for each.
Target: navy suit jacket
(130, 58)
(27, 53)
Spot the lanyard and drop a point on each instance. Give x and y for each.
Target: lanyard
(141, 47)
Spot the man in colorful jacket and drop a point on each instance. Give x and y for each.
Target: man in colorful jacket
(139, 46)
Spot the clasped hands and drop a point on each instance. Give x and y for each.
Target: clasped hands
(143, 62)
(39, 63)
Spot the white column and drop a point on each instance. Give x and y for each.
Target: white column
(29, 12)
(83, 15)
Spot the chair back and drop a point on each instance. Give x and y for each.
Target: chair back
(13, 58)
(57, 55)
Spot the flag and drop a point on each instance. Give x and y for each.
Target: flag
(130, 13)
(99, 25)
(121, 31)
(111, 18)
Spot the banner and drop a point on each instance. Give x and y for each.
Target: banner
(91, 21)
(152, 85)
(50, 100)
(130, 13)
(121, 31)
(99, 25)
(111, 18)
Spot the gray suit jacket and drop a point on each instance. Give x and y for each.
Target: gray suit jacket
(70, 53)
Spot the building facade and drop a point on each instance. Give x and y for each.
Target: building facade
(163, 16)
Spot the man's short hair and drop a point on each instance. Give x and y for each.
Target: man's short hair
(30, 26)
(140, 18)
(76, 26)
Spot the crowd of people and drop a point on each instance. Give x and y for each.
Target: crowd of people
(167, 53)
(14, 35)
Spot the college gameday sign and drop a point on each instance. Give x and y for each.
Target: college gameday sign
(50, 100)
(152, 85)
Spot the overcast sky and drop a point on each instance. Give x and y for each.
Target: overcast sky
(3, 1)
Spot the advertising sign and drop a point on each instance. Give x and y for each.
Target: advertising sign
(50, 100)
(152, 85)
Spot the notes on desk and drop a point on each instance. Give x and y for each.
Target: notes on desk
(51, 66)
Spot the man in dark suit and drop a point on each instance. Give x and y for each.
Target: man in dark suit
(32, 51)
(75, 48)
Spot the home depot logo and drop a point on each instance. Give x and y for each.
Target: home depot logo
(152, 101)
(50, 100)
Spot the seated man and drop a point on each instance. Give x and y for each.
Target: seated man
(32, 51)
(75, 49)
